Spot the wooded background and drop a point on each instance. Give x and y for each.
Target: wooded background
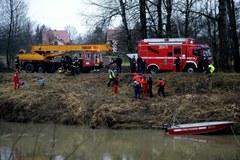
(212, 22)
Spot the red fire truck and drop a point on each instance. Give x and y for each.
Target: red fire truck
(160, 54)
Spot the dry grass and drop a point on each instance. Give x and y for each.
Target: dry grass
(85, 99)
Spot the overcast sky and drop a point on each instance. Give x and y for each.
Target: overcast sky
(57, 14)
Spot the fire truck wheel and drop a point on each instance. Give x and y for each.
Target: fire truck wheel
(190, 69)
(153, 70)
(40, 68)
(29, 68)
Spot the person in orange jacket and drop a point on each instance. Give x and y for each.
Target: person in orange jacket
(161, 85)
(16, 80)
(97, 64)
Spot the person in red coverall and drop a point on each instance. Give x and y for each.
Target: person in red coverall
(16, 80)
(144, 86)
(115, 83)
(137, 77)
(161, 85)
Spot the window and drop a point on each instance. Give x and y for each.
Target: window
(196, 52)
(177, 50)
(206, 52)
(87, 56)
(169, 54)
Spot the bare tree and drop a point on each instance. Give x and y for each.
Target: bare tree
(79, 39)
(210, 35)
(110, 11)
(191, 20)
(14, 19)
(125, 24)
(154, 18)
(38, 33)
(25, 38)
(221, 30)
(233, 35)
(95, 37)
(72, 33)
(223, 37)
(154, 21)
(142, 4)
(159, 13)
(168, 4)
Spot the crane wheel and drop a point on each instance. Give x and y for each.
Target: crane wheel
(40, 68)
(29, 68)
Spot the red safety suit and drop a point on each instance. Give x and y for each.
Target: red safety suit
(115, 84)
(16, 80)
(137, 78)
(144, 86)
(161, 85)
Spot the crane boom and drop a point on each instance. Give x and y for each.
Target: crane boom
(69, 48)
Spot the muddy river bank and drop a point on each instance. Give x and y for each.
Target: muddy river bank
(86, 100)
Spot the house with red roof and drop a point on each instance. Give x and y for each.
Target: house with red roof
(55, 37)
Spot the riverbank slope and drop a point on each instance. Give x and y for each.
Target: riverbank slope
(85, 99)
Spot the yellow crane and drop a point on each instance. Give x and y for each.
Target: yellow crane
(41, 58)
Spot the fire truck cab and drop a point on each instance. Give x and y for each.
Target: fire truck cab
(160, 53)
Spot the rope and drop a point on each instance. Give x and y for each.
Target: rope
(235, 136)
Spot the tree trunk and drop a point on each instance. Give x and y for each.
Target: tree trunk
(160, 23)
(169, 15)
(143, 20)
(9, 38)
(186, 19)
(233, 35)
(215, 45)
(223, 37)
(125, 25)
(215, 48)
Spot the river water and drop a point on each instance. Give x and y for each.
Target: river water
(20, 141)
